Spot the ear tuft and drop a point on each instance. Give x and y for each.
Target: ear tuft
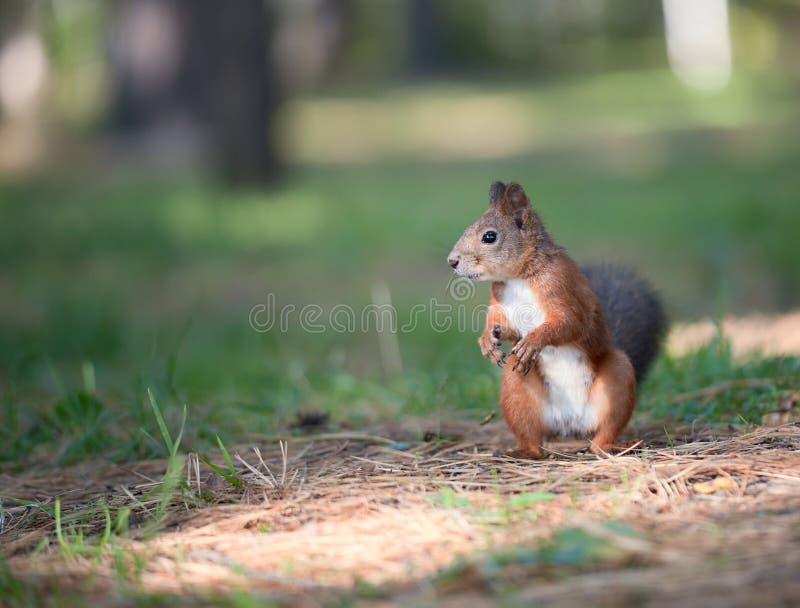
(516, 196)
(496, 191)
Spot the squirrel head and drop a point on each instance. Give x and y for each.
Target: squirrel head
(501, 242)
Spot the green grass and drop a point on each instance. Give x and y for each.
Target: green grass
(714, 366)
(113, 285)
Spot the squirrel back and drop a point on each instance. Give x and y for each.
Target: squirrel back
(633, 312)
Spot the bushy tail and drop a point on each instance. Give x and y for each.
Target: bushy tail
(633, 311)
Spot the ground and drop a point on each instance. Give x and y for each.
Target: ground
(332, 518)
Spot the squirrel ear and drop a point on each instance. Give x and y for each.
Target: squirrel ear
(496, 192)
(523, 218)
(516, 197)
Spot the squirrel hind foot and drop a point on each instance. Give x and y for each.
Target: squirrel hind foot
(524, 453)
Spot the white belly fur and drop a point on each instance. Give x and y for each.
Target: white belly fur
(568, 378)
(564, 369)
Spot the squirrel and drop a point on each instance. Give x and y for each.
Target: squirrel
(582, 338)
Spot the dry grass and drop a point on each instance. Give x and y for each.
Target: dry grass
(323, 513)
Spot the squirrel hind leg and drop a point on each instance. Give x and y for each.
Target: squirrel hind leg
(521, 401)
(613, 395)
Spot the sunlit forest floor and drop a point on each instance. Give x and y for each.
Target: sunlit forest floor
(126, 302)
(350, 518)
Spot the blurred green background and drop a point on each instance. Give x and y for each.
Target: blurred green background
(165, 167)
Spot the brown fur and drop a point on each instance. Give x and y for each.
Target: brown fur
(572, 316)
(614, 395)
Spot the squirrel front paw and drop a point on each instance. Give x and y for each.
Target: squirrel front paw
(502, 334)
(526, 353)
(490, 348)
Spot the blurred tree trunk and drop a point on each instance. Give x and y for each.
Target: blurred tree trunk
(229, 74)
(426, 48)
(12, 14)
(204, 61)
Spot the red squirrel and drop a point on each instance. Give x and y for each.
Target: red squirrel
(581, 339)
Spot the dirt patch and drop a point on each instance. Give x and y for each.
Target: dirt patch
(771, 336)
(329, 513)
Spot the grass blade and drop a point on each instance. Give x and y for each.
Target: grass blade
(178, 439)
(162, 426)
(89, 380)
(226, 456)
(231, 479)
(62, 543)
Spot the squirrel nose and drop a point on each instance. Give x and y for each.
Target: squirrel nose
(453, 261)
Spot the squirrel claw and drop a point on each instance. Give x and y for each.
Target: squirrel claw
(522, 368)
(526, 357)
(492, 348)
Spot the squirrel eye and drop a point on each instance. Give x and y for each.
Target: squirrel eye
(489, 237)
